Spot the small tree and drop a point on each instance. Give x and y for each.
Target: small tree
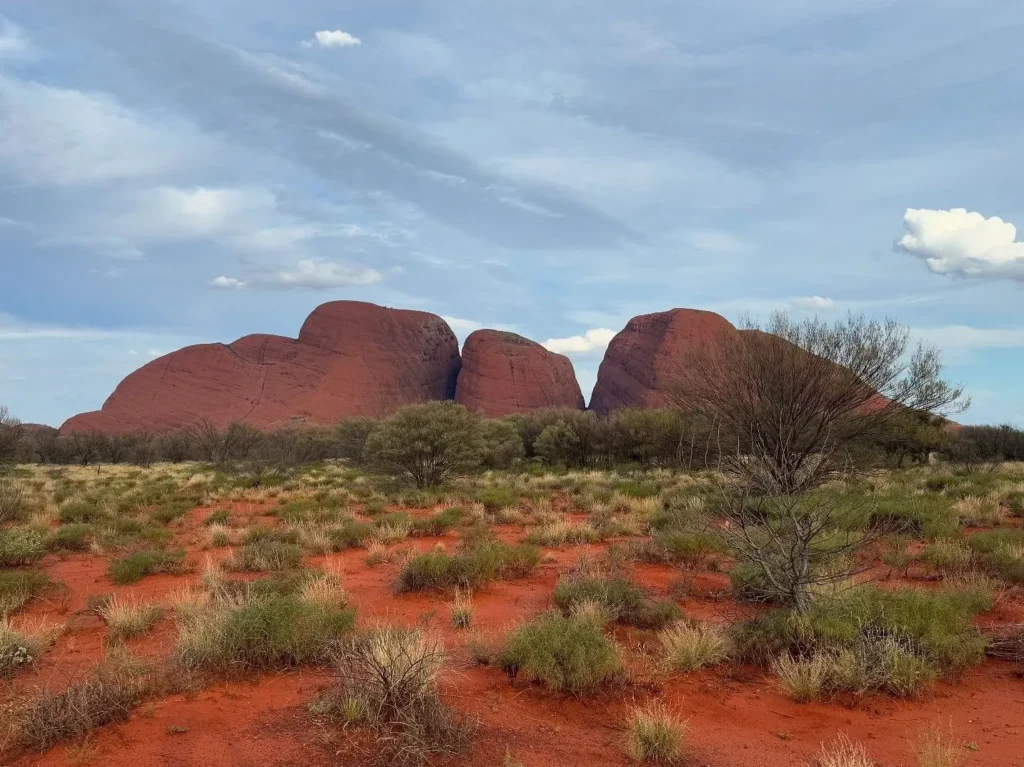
(223, 446)
(502, 445)
(429, 443)
(11, 434)
(784, 406)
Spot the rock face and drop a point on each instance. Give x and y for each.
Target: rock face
(504, 373)
(351, 359)
(641, 363)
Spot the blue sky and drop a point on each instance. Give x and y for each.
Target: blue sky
(183, 172)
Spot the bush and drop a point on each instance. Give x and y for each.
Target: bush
(439, 523)
(802, 680)
(655, 735)
(688, 647)
(20, 546)
(566, 654)
(143, 563)
(273, 631)
(20, 648)
(469, 568)
(623, 600)
(265, 554)
(11, 501)
(108, 695)
(350, 534)
(388, 680)
(428, 443)
(19, 586)
(497, 497)
(71, 537)
(126, 618)
(81, 511)
(1001, 553)
(892, 642)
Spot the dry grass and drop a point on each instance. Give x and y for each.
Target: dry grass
(21, 646)
(690, 646)
(218, 536)
(937, 747)
(325, 590)
(655, 735)
(126, 617)
(802, 680)
(462, 608)
(843, 752)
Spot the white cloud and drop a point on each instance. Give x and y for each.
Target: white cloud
(813, 303)
(58, 137)
(460, 324)
(966, 337)
(964, 244)
(715, 242)
(593, 340)
(333, 38)
(227, 283)
(308, 274)
(12, 41)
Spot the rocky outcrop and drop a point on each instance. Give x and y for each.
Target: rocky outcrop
(351, 359)
(504, 373)
(643, 361)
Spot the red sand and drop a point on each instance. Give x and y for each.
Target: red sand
(737, 718)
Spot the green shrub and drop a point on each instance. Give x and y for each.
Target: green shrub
(440, 523)
(73, 537)
(935, 626)
(19, 586)
(623, 600)
(922, 516)
(12, 501)
(266, 554)
(568, 654)
(218, 517)
(467, 568)
(20, 546)
(496, 497)
(350, 535)
(81, 511)
(143, 563)
(267, 632)
(1001, 553)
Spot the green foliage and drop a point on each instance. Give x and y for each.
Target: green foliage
(82, 511)
(623, 601)
(266, 632)
(73, 537)
(20, 546)
(468, 568)
(567, 654)
(1001, 552)
(143, 563)
(427, 443)
(497, 497)
(350, 534)
(501, 444)
(935, 626)
(218, 517)
(440, 523)
(12, 500)
(267, 553)
(19, 586)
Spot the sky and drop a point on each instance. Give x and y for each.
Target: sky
(180, 171)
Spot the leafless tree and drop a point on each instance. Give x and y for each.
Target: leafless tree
(782, 406)
(783, 403)
(223, 446)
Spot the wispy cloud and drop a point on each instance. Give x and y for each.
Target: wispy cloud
(307, 274)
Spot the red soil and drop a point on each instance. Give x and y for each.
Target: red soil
(737, 717)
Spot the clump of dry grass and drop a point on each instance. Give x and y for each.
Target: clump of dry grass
(1006, 642)
(462, 608)
(563, 532)
(843, 752)
(325, 590)
(218, 535)
(980, 511)
(126, 617)
(655, 735)
(802, 680)
(937, 747)
(388, 681)
(690, 646)
(108, 695)
(377, 553)
(21, 646)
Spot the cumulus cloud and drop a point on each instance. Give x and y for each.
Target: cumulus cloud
(308, 274)
(594, 339)
(812, 303)
(963, 244)
(333, 38)
(227, 283)
(461, 324)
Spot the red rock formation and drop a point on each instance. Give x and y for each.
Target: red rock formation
(642, 362)
(504, 373)
(351, 359)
